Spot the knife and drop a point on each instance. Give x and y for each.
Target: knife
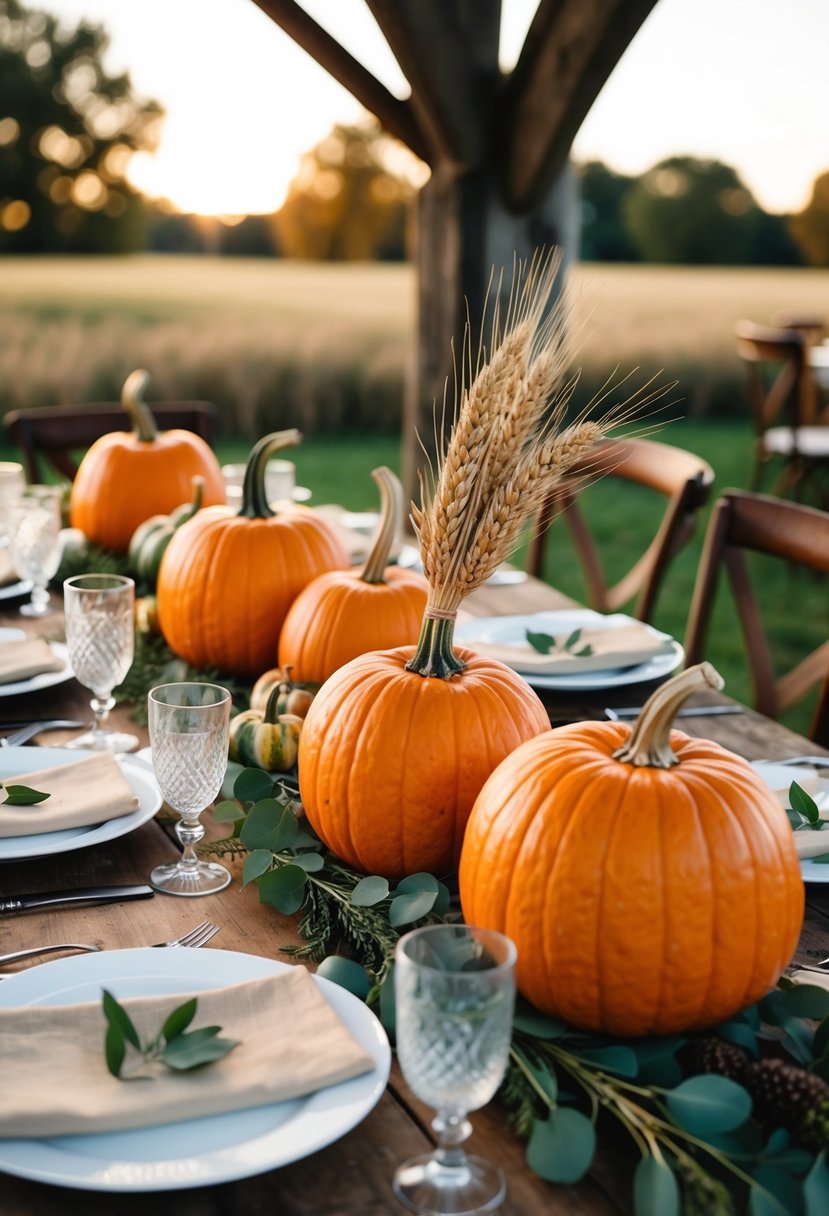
(78, 895)
(696, 711)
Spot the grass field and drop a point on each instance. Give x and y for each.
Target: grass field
(324, 347)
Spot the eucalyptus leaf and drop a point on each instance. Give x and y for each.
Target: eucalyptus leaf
(781, 1194)
(346, 973)
(816, 1188)
(22, 795)
(655, 1189)
(798, 1040)
(405, 909)
(662, 1072)
(283, 887)
(311, 863)
(614, 1059)
(200, 1047)
(443, 900)
(231, 773)
(805, 1001)
(707, 1104)
(546, 1079)
(117, 1016)
(178, 1021)
(269, 825)
(562, 1146)
(227, 811)
(740, 1034)
(305, 840)
(414, 883)
(386, 1003)
(256, 863)
(370, 891)
(252, 785)
(538, 1025)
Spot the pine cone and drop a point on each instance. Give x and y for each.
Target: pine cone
(787, 1096)
(716, 1055)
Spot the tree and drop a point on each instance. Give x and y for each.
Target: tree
(810, 227)
(687, 210)
(497, 146)
(347, 202)
(604, 237)
(67, 132)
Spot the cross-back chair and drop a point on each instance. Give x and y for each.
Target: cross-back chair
(783, 402)
(681, 477)
(52, 436)
(743, 522)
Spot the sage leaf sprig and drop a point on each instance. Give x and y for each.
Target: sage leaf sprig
(22, 795)
(804, 815)
(545, 643)
(172, 1046)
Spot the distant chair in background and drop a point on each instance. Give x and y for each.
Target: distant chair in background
(781, 386)
(682, 478)
(53, 435)
(795, 533)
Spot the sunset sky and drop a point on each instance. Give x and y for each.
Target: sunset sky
(744, 81)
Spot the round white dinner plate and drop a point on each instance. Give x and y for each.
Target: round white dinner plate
(13, 591)
(46, 679)
(778, 777)
(195, 1152)
(513, 629)
(14, 761)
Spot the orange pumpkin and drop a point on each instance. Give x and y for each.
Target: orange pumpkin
(397, 744)
(125, 477)
(648, 879)
(227, 580)
(345, 613)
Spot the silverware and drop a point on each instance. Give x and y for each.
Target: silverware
(29, 731)
(814, 761)
(17, 956)
(77, 895)
(695, 711)
(199, 936)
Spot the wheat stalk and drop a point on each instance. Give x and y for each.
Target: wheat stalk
(507, 448)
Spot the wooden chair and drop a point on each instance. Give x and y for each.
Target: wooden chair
(781, 385)
(684, 479)
(795, 533)
(53, 435)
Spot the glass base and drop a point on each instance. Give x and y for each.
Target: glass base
(30, 609)
(204, 879)
(105, 741)
(426, 1186)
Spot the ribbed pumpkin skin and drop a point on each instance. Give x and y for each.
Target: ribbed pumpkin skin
(391, 762)
(123, 480)
(642, 900)
(226, 583)
(339, 616)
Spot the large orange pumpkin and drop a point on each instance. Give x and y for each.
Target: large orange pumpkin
(346, 612)
(397, 744)
(227, 580)
(648, 879)
(127, 476)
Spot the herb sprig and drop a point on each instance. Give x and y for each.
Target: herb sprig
(173, 1046)
(545, 643)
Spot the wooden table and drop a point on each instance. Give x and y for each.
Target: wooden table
(351, 1177)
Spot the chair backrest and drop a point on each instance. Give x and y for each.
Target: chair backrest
(54, 434)
(780, 383)
(684, 479)
(796, 534)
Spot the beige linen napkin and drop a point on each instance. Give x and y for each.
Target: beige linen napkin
(27, 657)
(811, 844)
(55, 1080)
(89, 791)
(624, 647)
(8, 574)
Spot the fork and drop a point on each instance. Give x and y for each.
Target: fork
(194, 938)
(18, 737)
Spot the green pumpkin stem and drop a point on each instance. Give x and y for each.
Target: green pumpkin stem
(132, 399)
(271, 711)
(434, 655)
(391, 521)
(648, 745)
(255, 503)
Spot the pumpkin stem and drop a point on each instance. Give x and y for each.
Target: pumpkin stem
(271, 716)
(648, 744)
(434, 655)
(255, 503)
(132, 399)
(391, 521)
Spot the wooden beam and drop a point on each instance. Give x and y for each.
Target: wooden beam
(396, 116)
(449, 54)
(571, 48)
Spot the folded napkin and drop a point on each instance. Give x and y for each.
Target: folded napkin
(624, 647)
(811, 844)
(810, 977)
(55, 1079)
(8, 574)
(89, 791)
(25, 657)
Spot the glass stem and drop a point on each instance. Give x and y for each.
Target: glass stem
(189, 831)
(451, 1129)
(40, 598)
(101, 707)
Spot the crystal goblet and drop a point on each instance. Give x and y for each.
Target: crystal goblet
(100, 637)
(34, 542)
(454, 998)
(189, 735)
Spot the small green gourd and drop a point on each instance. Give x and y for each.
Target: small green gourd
(150, 539)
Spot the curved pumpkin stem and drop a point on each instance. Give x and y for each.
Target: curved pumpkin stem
(255, 503)
(434, 656)
(197, 500)
(271, 715)
(391, 521)
(132, 399)
(648, 745)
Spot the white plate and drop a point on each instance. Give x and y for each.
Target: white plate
(513, 629)
(196, 1152)
(46, 678)
(13, 591)
(14, 761)
(778, 777)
